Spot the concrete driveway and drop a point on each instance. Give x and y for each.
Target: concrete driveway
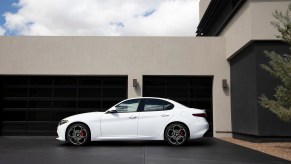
(47, 150)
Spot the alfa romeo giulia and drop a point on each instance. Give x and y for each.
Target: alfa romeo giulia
(145, 118)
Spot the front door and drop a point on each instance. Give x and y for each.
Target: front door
(124, 122)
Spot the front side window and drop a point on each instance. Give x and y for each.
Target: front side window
(128, 106)
(157, 105)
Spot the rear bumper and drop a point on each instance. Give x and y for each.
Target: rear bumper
(198, 130)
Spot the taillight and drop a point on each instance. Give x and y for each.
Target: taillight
(200, 115)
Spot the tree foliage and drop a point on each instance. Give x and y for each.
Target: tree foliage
(279, 66)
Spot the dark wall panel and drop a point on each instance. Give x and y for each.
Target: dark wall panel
(243, 93)
(269, 123)
(248, 82)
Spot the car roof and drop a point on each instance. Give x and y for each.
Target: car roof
(152, 98)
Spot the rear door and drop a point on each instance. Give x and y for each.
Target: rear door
(153, 117)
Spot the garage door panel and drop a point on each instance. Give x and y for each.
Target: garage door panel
(114, 82)
(33, 105)
(15, 92)
(178, 82)
(15, 81)
(114, 92)
(40, 81)
(106, 104)
(65, 81)
(64, 103)
(40, 92)
(12, 103)
(89, 92)
(153, 82)
(201, 93)
(201, 82)
(58, 115)
(186, 103)
(39, 115)
(89, 104)
(177, 93)
(154, 91)
(39, 126)
(90, 81)
(16, 127)
(39, 103)
(10, 115)
(65, 92)
(191, 91)
(201, 104)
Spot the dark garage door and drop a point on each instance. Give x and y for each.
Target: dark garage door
(33, 105)
(191, 91)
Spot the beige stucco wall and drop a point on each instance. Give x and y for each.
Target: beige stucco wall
(262, 16)
(132, 56)
(238, 31)
(252, 22)
(203, 4)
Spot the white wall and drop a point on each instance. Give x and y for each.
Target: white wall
(132, 56)
(252, 22)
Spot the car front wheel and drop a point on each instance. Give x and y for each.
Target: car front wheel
(78, 134)
(176, 134)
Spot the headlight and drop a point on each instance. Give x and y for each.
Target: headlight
(63, 122)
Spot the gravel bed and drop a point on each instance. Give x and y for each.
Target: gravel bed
(278, 149)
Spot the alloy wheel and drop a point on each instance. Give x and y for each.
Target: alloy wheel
(78, 134)
(176, 134)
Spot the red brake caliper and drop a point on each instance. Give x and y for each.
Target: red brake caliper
(81, 133)
(182, 133)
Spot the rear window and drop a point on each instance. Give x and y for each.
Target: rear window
(157, 105)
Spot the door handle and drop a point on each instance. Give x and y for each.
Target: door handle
(165, 115)
(132, 117)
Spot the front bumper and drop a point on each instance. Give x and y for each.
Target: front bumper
(61, 130)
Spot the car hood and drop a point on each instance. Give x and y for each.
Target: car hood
(84, 116)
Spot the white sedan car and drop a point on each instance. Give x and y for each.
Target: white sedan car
(145, 118)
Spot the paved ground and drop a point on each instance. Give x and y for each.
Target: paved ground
(46, 150)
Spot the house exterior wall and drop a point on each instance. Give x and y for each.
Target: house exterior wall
(247, 35)
(132, 56)
(249, 83)
(252, 22)
(203, 4)
(269, 123)
(243, 92)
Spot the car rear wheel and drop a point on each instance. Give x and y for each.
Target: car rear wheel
(78, 134)
(176, 134)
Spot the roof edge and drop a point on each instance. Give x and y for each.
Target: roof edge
(216, 9)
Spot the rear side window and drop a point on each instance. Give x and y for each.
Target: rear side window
(157, 105)
(168, 106)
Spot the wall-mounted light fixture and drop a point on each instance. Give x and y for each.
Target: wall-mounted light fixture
(224, 84)
(134, 82)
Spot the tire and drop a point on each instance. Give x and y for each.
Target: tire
(78, 134)
(176, 134)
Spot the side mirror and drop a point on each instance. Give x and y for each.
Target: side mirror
(112, 111)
